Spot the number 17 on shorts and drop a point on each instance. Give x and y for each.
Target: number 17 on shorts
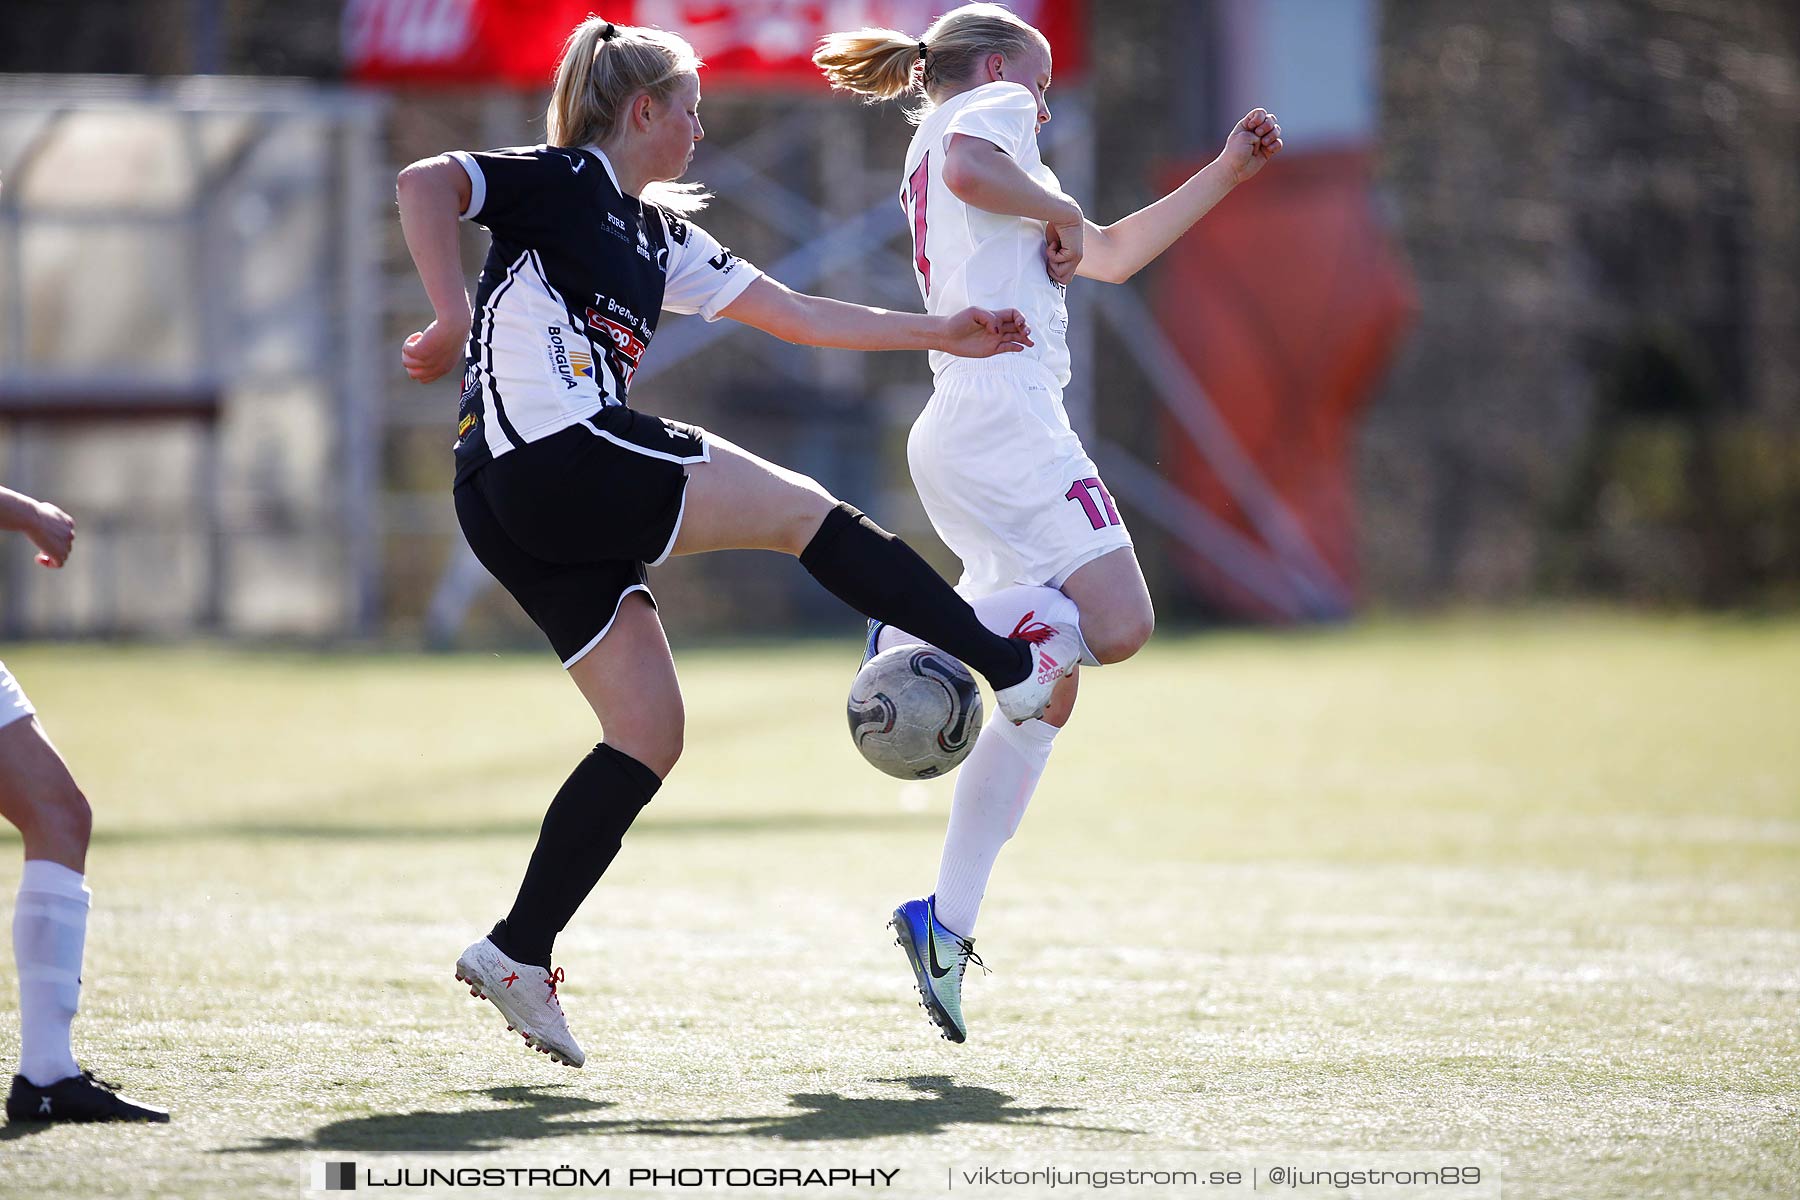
(1096, 502)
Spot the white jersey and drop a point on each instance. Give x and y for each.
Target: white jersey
(964, 256)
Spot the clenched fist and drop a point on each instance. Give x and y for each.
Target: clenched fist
(1255, 140)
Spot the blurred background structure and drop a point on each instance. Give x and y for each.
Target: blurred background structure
(1516, 315)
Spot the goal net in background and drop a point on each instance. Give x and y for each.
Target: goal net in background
(189, 317)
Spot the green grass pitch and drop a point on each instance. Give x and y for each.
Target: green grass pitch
(1525, 885)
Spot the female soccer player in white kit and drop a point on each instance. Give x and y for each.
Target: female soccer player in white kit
(49, 928)
(1003, 477)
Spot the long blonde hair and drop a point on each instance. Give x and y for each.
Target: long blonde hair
(885, 64)
(602, 67)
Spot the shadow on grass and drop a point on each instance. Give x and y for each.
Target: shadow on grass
(14, 1130)
(530, 1113)
(938, 1104)
(351, 831)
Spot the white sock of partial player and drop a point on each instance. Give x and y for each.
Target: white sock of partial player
(995, 783)
(1003, 612)
(49, 930)
(993, 787)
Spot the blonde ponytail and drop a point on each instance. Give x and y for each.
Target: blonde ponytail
(885, 64)
(877, 64)
(602, 67)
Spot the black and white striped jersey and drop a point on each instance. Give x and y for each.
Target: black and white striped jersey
(570, 293)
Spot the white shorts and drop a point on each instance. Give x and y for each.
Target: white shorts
(1006, 482)
(14, 706)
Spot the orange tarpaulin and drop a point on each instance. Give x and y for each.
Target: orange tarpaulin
(1287, 303)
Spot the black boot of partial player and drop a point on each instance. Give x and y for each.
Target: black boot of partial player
(77, 1098)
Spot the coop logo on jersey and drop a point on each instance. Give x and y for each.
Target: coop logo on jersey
(629, 345)
(567, 363)
(604, 306)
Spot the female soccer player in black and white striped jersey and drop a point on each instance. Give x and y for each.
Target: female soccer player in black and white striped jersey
(565, 493)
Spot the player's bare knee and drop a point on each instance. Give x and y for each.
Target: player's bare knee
(660, 754)
(1138, 631)
(669, 748)
(657, 745)
(810, 505)
(1122, 636)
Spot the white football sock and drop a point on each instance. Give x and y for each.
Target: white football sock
(49, 929)
(995, 783)
(993, 787)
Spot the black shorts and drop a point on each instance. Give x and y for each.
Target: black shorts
(568, 522)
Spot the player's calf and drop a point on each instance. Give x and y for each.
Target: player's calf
(1062, 700)
(65, 825)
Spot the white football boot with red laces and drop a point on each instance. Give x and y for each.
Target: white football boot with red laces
(525, 996)
(1055, 651)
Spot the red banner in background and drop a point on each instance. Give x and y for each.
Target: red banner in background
(744, 42)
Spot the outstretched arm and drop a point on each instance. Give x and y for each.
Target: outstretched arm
(1116, 252)
(50, 529)
(819, 321)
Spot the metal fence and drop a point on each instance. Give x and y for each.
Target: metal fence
(188, 320)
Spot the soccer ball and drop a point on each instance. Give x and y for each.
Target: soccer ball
(914, 712)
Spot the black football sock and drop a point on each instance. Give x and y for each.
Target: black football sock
(580, 836)
(880, 576)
